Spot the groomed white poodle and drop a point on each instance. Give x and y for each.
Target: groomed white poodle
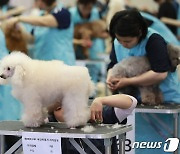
(39, 84)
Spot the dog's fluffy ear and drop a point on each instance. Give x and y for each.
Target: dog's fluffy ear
(18, 75)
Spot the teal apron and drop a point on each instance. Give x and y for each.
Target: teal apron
(54, 44)
(98, 44)
(170, 87)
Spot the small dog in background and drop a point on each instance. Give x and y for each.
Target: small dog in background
(134, 66)
(88, 31)
(17, 39)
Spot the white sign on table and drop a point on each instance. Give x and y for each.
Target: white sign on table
(36, 143)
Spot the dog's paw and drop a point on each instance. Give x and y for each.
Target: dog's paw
(75, 123)
(32, 122)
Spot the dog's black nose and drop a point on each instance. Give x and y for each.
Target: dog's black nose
(2, 76)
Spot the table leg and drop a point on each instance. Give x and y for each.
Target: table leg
(92, 146)
(122, 144)
(176, 127)
(107, 144)
(14, 147)
(76, 145)
(2, 144)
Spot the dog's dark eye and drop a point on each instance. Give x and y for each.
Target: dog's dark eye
(8, 68)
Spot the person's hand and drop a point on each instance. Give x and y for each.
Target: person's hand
(86, 43)
(96, 110)
(111, 81)
(117, 83)
(11, 22)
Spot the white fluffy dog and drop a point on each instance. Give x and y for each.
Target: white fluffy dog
(39, 84)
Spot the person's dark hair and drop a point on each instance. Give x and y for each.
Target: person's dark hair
(48, 2)
(85, 2)
(3, 2)
(128, 23)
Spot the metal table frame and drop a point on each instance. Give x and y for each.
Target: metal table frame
(166, 108)
(105, 132)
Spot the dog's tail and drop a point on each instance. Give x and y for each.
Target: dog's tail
(92, 88)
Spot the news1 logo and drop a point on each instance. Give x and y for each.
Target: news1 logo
(171, 144)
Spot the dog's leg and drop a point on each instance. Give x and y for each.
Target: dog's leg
(76, 111)
(33, 115)
(158, 95)
(147, 95)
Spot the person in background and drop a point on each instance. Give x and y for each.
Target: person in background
(53, 32)
(86, 11)
(156, 24)
(167, 9)
(132, 37)
(103, 8)
(109, 110)
(7, 11)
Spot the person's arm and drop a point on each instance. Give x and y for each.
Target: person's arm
(160, 65)
(146, 79)
(60, 19)
(120, 101)
(12, 12)
(47, 20)
(170, 21)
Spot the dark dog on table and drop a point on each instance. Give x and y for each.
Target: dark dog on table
(134, 66)
(89, 30)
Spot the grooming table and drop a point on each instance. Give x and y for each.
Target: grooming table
(102, 131)
(166, 108)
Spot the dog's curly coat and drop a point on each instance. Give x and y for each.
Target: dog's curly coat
(39, 84)
(134, 66)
